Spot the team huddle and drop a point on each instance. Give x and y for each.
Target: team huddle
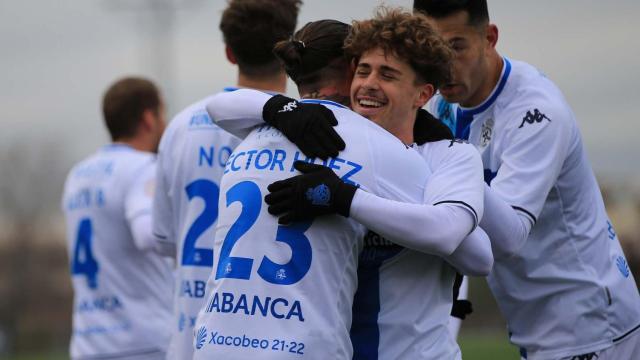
(341, 226)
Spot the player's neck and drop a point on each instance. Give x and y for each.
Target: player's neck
(326, 92)
(138, 143)
(403, 130)
(276, 83)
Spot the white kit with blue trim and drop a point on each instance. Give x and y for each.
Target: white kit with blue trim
(192, 155)
(286, 292)
(568, 290)
(122, 295)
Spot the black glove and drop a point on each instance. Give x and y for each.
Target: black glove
(428, 129)
(460, 308)
(309, 126)
(318, 191)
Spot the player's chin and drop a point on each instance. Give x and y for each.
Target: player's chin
(452, 93)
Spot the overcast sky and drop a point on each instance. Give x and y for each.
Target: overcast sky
(57, 58)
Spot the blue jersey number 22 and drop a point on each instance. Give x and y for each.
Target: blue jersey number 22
(208, 191)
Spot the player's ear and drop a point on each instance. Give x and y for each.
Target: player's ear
(230, 56)
(425, 92)
(148, 121)
(491, 35)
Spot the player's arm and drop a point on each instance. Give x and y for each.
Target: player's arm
(309, 126)
(162, 213)
(474, 256)
(507, 228)
(538, 141)
(137, 208)
(452, 204)
(450, 212)
(434, 229)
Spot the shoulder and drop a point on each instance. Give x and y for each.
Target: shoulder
(531, 98)
(449, 151)
(134, 161)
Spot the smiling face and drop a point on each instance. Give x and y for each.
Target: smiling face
(386, 90)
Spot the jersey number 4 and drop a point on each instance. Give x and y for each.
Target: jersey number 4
(83, 262)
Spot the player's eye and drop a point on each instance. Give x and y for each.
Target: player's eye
(388, 76)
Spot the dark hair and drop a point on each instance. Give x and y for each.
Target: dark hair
(252, 27)
(477, 9)
(124, 103)
(410, 37)
(317, 47)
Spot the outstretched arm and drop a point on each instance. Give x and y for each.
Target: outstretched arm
(474, 256)
(309, 126)
(507, 228)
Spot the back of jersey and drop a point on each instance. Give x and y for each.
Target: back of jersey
(122, 295)
(286, 291)
(191, 159)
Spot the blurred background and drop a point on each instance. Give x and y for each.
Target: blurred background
(57, 58)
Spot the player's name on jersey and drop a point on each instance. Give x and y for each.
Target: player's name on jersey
(281, 160)
(85, 198)
(201, 120)
(254, 305)
(108, 303)
(210, 156)
(100, 168)
(192, 288)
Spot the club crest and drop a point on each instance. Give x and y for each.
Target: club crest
(320, 195)
(486, 132)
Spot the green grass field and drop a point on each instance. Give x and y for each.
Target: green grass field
(474, 347)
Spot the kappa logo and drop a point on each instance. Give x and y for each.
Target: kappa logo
(289, 107)
(201, 337)
(320, 195)
(536, 117)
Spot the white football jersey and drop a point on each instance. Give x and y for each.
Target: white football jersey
(191, 159)
(392, 279)
(569, 290)
(122, 296)
(286, 292)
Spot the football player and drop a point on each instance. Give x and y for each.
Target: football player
(122, 287)
(193, 153)
(560, 276)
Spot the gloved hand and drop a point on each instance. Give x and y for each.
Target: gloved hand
(428, 129)
(309, 126)
(318, 191)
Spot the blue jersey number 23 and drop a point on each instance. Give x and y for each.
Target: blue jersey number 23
(248, 194)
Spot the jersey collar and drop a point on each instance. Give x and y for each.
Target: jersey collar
(234, 88)
(506, 71)
(324, 102)
(117, 147)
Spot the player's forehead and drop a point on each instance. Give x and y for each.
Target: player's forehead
(455, 26)
(381, 60)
